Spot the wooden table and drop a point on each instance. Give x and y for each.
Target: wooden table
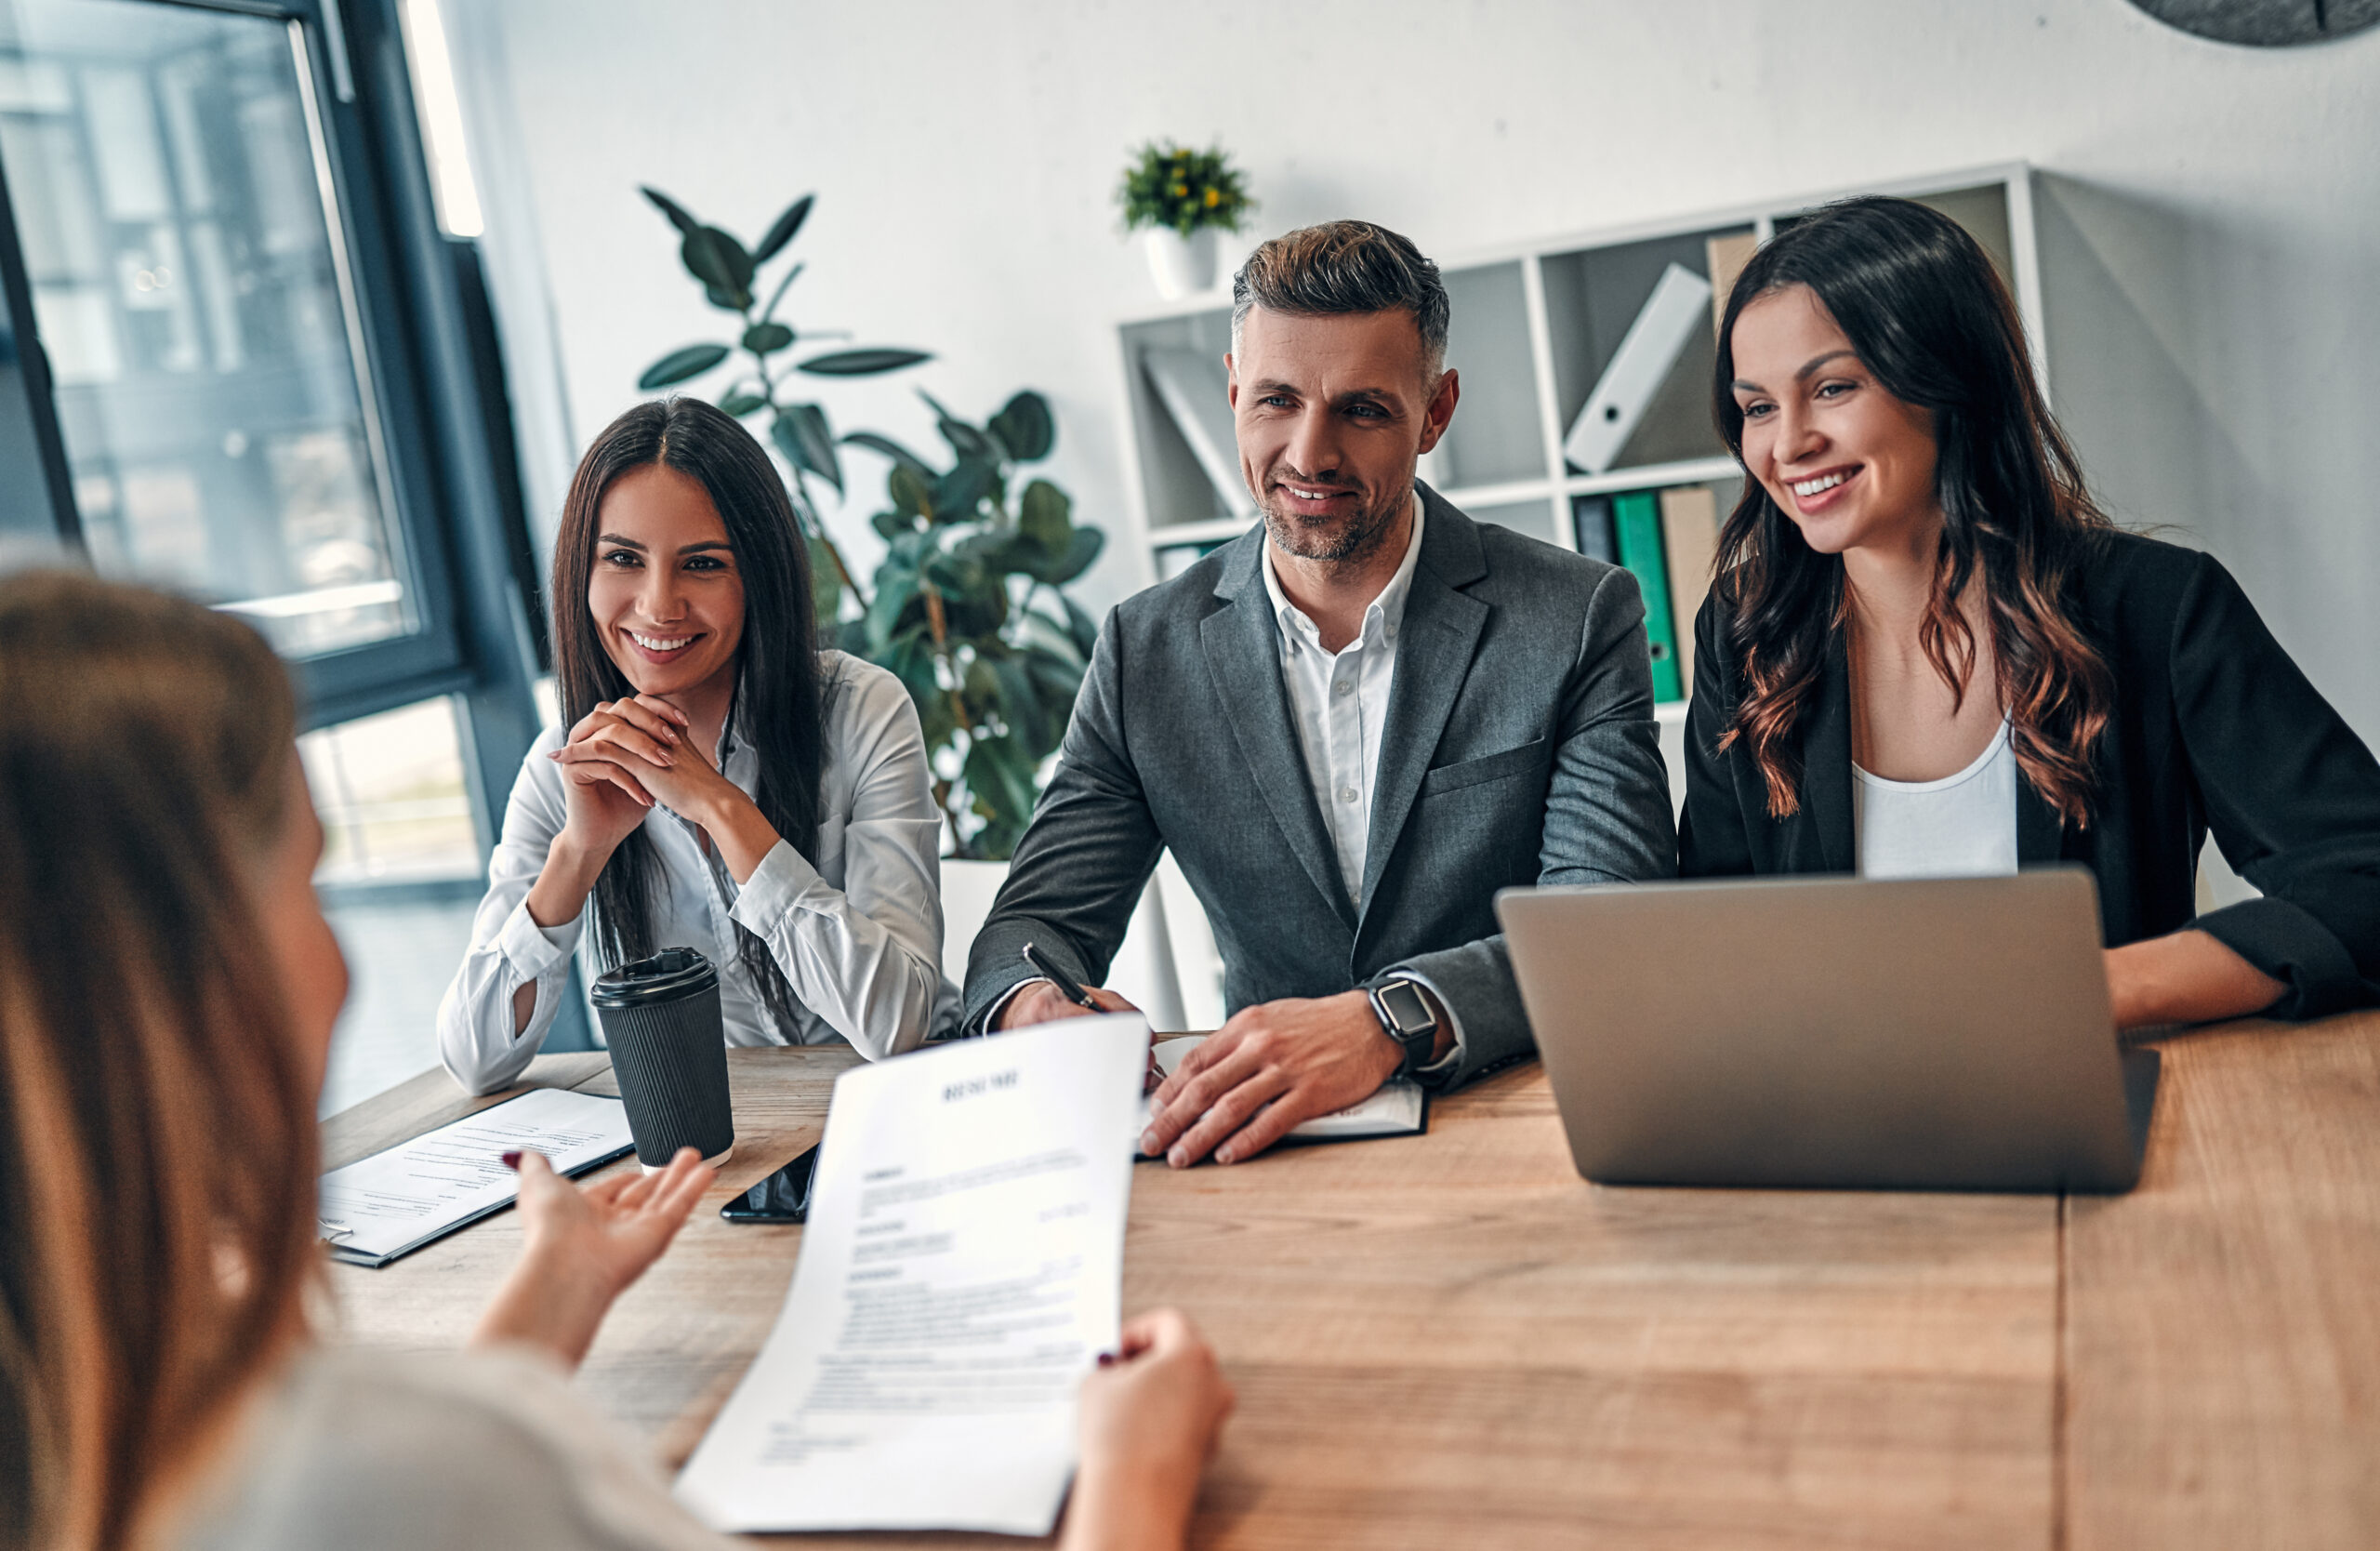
(1453, 1341)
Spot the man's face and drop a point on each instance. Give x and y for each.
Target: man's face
(1332, 412)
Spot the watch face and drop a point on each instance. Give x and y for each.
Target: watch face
(1404, 1005)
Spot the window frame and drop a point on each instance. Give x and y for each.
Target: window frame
(427, 389)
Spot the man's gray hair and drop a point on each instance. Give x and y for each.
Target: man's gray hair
(1343, 267)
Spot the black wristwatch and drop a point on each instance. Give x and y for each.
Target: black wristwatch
(1405, 1016)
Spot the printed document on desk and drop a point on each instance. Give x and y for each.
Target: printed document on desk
(961, 1270)
(389, 1204)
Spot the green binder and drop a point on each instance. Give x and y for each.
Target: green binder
(1636, 525)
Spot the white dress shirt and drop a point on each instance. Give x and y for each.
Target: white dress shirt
(1339, 702)
(855, 930)
(1962, 826)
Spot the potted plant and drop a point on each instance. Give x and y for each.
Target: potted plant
(1180, 198)
(966, 607)
(728, 273)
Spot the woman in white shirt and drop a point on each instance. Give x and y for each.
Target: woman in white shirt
(724, 784)
(167, 991)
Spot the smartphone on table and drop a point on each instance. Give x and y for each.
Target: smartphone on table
(784, 1196)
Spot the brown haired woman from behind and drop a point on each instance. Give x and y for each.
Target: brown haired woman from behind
(168, 989)
(1927, 653)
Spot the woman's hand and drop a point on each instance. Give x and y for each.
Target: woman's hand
(1150, 1422)
(604, 763)
(605, 800)
(584, 1247)
(645, 746)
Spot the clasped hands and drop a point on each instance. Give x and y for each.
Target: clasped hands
(628, 754)
(1271, 1069)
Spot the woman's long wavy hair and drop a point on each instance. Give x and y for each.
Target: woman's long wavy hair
(157, 1138)
(781, 688)
(1922, 305)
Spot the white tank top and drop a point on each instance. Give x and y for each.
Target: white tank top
(1962, 826)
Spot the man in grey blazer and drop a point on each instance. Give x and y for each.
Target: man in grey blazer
(1352, 725)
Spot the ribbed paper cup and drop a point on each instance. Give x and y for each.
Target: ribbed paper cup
(668, 1049)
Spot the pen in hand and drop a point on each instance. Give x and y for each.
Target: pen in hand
(1071, 988)
(1068, 987)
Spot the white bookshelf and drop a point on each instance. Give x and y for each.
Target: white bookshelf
(1533, 327)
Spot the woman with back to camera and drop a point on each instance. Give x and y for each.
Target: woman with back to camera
(168, 990)
(1927, 652)
(724, 784)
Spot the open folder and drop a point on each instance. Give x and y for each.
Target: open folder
(961, 1270)
(394, 1203)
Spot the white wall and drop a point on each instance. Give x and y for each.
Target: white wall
(2212, 241)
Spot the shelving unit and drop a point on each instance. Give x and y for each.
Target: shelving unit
(1533, 328)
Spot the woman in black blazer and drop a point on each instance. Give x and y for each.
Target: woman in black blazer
(1926, 651)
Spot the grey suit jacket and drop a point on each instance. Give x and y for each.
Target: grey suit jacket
(1519, 748)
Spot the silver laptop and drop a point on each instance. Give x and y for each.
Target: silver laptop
(1831, 1032)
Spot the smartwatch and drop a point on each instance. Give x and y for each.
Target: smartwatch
(1404, 1015)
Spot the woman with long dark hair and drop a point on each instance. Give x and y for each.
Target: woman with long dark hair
(167, 992)
(1928, 653)
(725, 785)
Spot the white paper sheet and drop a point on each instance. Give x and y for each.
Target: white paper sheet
(961, 1269)
(1396, 1108)
(377, 1208)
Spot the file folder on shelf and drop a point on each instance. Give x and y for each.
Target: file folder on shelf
(1650, 348)
(1636, 526)
(1689, 542)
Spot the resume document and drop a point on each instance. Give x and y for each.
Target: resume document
(961, 1271)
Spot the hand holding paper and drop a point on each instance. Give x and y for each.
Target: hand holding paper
(960, 1272)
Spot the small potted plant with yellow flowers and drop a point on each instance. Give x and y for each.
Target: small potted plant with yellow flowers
(1180, 198)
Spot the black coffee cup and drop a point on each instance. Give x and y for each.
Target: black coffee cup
(669, 1052)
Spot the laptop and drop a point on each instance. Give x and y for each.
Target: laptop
(1945, 1034)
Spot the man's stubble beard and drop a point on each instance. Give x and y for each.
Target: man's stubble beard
(1349, 541)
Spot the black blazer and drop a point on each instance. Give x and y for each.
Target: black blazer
(2213, 726)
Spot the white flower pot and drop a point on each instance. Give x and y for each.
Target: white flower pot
(1181, 267)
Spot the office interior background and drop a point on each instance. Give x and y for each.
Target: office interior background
(362, 429)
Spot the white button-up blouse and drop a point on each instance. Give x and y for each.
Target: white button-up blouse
(856, 929)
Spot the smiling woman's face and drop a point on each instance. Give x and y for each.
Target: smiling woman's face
(1852, 465)
(665, 593)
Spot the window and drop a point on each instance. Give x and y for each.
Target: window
(246, 363)
(187, 253)
(394, 801)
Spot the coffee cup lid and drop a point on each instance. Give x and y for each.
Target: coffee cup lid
(669, 974)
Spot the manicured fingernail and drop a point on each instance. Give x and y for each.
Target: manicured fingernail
(1107, 1360)
(512, 1162)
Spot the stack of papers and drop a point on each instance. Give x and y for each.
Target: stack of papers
(395, 1202)
(962, 1268)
